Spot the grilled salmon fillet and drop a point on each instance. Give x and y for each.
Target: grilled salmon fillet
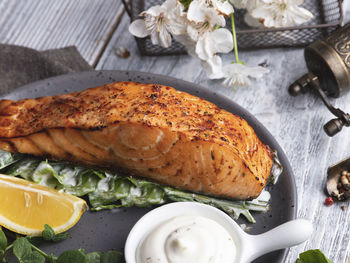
(151, 131)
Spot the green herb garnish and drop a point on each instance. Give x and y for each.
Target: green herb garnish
(50, 235)
(26, 252)
(313, 256)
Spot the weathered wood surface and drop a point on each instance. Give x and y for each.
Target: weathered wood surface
(47, 24)
(295, 122)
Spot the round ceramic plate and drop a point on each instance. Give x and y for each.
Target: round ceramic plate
(107, 230)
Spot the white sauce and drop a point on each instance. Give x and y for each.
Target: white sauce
(135, 191)
(70, 179)
(187, 239)
(103, 185)
(265, 196)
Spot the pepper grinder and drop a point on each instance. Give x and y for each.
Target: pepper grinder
(328, 62)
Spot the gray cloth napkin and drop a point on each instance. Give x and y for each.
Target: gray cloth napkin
(21, 65)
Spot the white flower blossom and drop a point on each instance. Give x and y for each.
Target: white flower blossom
(176, 17)
(217, 41)
(199, 29)
(223, 6)
(206, 39)
(212, 63)
(160, 22)
(250, 5)
(281, 13)
(204, 18)
(213, 67)
(246, 4)
(237, 74)
(252, 21)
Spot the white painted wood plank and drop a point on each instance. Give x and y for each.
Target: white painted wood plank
(47, 24)
(295, 122)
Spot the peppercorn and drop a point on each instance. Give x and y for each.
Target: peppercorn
(345, 182)
(329, 201)
(343, 186)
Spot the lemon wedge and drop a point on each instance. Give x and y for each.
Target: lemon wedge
(26, 207)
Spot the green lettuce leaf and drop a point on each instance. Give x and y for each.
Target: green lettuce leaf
(23, 168)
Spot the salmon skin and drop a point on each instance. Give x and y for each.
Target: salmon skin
(151, 131)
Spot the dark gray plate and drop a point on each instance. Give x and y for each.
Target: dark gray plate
(105, 230)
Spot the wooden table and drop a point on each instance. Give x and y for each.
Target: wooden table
(97, 28)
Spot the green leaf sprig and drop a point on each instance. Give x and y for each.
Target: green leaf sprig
(26, 252)
(49, 234)
(313, 256)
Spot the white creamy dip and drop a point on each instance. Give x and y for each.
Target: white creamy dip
(187, 239)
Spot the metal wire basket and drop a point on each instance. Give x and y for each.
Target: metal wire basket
(327, 17)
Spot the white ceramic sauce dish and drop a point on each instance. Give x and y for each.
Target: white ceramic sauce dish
(249, 247)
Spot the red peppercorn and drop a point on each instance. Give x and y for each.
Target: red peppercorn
(329, 201)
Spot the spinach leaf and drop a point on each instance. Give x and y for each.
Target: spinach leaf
(24, 168)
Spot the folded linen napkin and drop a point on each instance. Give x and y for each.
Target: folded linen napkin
(21, 65)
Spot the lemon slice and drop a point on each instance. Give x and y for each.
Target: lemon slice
(26, 207)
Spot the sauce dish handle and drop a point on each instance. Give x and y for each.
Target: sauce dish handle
(286, 235)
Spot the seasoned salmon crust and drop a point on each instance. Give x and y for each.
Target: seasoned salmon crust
(152, 131)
